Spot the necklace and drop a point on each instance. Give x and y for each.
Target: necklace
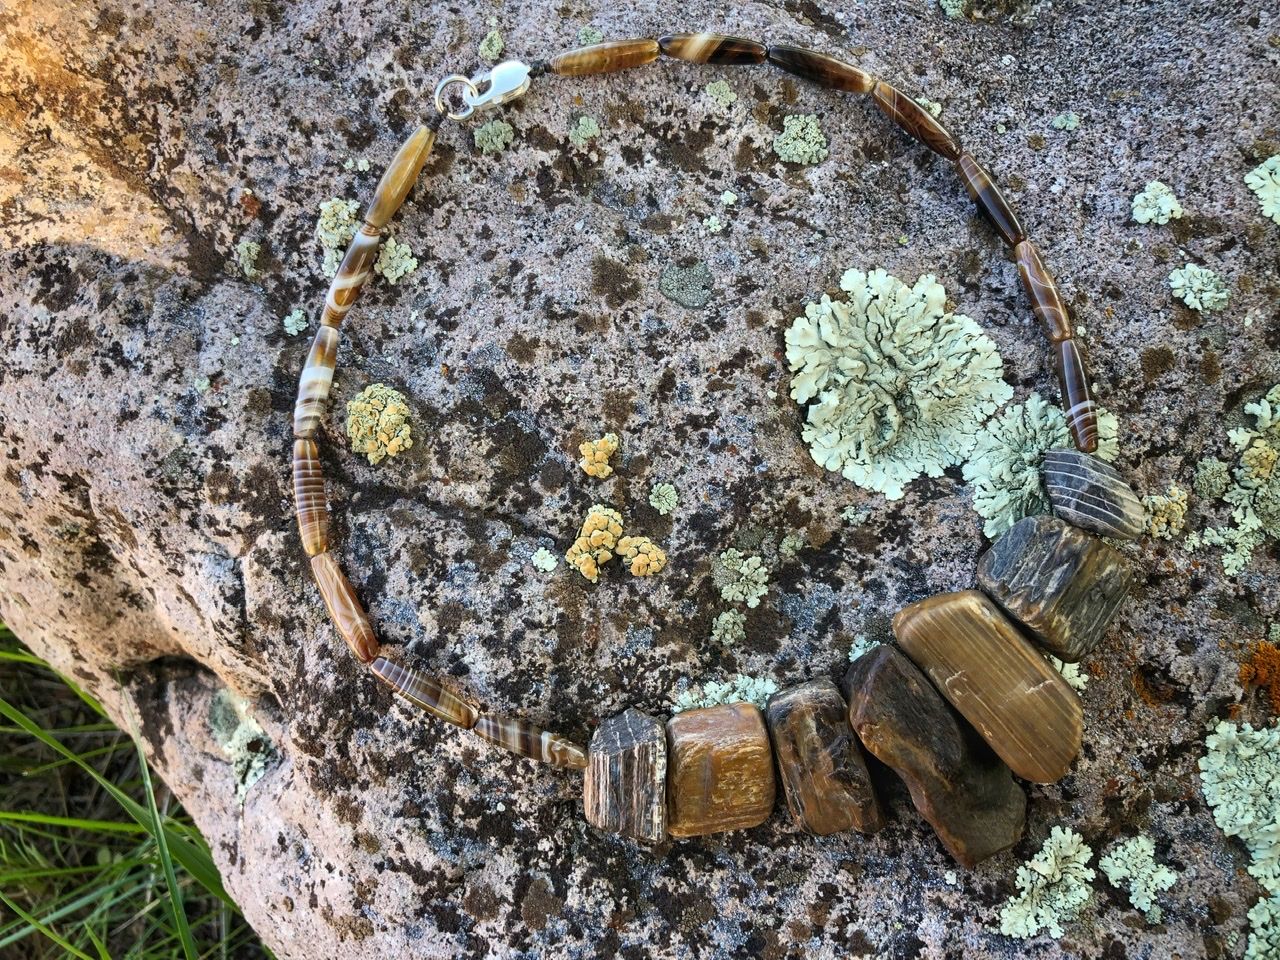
(964, 702)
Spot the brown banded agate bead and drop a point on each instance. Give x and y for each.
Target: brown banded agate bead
(352, 275)
(1077, 394)
(915, 120)
(344, 608)
(399, 178)
(998, 681)
(982, 189)
(426, 693)
(523, 738)
(1092, 495)
(624, 790)
(315, 382)
(719, 770)
(604, 57)
(820, 68)
(1046, 301)
(310, 503)
(711, 48)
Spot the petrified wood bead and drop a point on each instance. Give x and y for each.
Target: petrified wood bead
(1062, 584)
(352, 274)
(399, 178)
(998, 681)
(1046, 301)
(1092, 495)
(625, 787)
(523, 738)
(719, 770)
(957, 783)
(310, 503)
(915, 120)
(426, 693)
(315, 382)
(604, 57)
(820, 68)
(1077, 395)
(824, 777)
(344, 608)
(711, 48)
(982, 189)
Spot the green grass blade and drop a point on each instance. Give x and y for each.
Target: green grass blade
(74, 823)
(37, 925)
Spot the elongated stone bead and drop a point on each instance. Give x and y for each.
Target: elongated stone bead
(820, 68)
(352, 274)
(982, 189)
(605, 57)
(1046, 301)
(719, 770)
(426, 693)
(915, 120)
(399, 178)
(315, 382)
(1092, 495)
(711, 48)
(625, 787)
(344, 608)
(1077, 394)
(523, 738)
(310, 503)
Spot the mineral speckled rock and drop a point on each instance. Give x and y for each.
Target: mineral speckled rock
(1092, 495)
(824, 777)
(957, 783)
(1063, 585)
(625, 787)
(719, 770)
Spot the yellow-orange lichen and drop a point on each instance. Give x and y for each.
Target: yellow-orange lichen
(596, 454)
(1262, 671)
(596, 541)
(643, 556)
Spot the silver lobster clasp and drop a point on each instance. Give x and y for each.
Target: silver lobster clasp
(488, 88)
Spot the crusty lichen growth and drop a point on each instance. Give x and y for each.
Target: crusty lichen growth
(1071, 673)
(741, 579)
(584, 130)
(395, 261)
(378, 422)
(1240, 776)
(492, 45)
(544, 560)
(737, 689)
(1068, 121)
(1212, 479)
(862, 644)
(1156, 204)
(1054, 885)
(589, 36)
(801, 140)
(643, 557)
(596, 454)
(1264, 181)
(729, 628)
(1166, 512)
(597, 541)
(1199, 288)
(335, 228)
(933, 107)
(247, 253)
(901, 386)
(494, 136)
(1131, 865)
(1264, 930)
(242, 740)
(721, 93)
(664, 498)
(295, 323)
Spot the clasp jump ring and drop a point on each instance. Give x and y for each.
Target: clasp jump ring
(470, 88)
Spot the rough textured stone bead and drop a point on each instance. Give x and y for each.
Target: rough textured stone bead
(426, 693)
(820, 68)
(824, 777)
(1077, 395)
(604, 57)
(998, 681)
(400, 176)
(1046, 301)
(956, 782)
(625, 787)
(915, 120)
(523, 738)
(1092, 495)
(719, 770)
(711, 48)
(982, 188)
(310, 503)
(352, 274)
(315, 382)
(344, 608)
(1062, 584)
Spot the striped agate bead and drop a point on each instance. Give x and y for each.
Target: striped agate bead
(915, 120)
(399, 178)
(315, 382)
(1077, 395)
(1046, 301)
(310, 503)
(1091, 495)
(982, 189)
(523, 738)
(604, 57)
(344, 608)
(822, 69)
(426, 693)
(711, 48)
(352, 274)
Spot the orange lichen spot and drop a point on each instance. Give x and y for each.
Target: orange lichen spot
(643, 556)
(596, 541)
(596, 454)
(1262, 671)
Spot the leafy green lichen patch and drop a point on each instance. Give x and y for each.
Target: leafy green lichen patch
(741, 579)
(584, 130)
(378, 422)
(1199, 288)
(737, 689)
(335, 228)
(395, 261)
(1264, 181)
(801, 140)
(247, 253)
(242, 740)
(721, 93)
(494, 136)
(1054, 886)
(663, 498)
(1155, 203)
(295, 322)
(729, 628)
(1131, 865)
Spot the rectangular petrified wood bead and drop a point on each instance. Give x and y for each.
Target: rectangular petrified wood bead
(426, 693)
(998, 681)
(344, 608)
(1077, 394)
(310, 504)
(527, 740)
(604, 57)
(624, 790)
(822, 69)
(982, 189)
(711, 48)
(315, 382)
(915, 120)
(1042, 291)
(719, 770)
(824, 777)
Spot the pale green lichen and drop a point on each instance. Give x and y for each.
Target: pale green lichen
(247, 253)
(664, 498)
(862, 644)
(1156, 204)
(1131, 865)
(378, 422)
(902, 387)
(1054, 885)
(494, 136)
(295, 323)
(1264, 181)
(589, 36)
(1068, 121)
(741, 579)
(721, 93)
(1240, 776)
(713, 224)
(583, 131)
(335, 228)
(955, 9)
(360, 164)
(241, 739)
(1212, 479)
(737, 689)
(792, 543)
(729, 628)
(1166, 512)
(1199, 288)
(1071, 673)
(492, 45)
(801, 140)
(933, 107)
(544, 560)
(728, 198)
(855, 516)
(1264, 932)
(395, 261)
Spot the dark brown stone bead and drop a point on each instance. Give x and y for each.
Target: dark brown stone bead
(719, 770)
(1077, 394)
(824, 777)
(604, 57)
(1092, 495)
(915, 120)
(820, 68)
(1046, 301)
(957, 783)
(523, 738)
(625, 787)
(1062, 584)
(426, 693)
(711, 48)
(983, 190)
(344, 607)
